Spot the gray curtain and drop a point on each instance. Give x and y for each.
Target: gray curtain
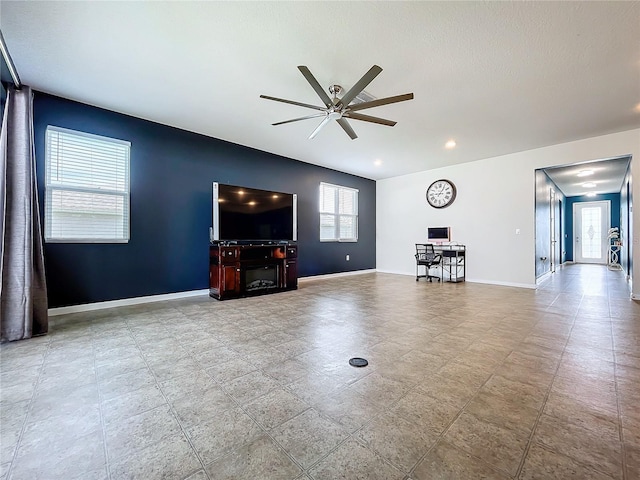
(23, 292)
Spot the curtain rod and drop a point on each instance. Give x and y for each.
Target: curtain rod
(9, 62)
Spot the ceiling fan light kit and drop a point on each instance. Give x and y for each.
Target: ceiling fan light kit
(340, 108)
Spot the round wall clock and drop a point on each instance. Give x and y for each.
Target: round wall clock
(441, 193)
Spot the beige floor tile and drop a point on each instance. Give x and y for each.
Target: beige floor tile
(120, 384)
(446, 462)
(347, 408)
(275, 408)
(261, 459)
(470, 375)
(132, 403)
(584, 446)
(522, 374)
(172, 457)
(224, 372)
(598, 393)
(137, 432)
(569, 410)
(532, 362)
(448, 389)
(503, 411)
(382, 391)
(631, 430)
(73, 458)
(632, 460)
(201, 407)
(353, 461)
(525, 394)
(308, 437)
(397, 440)
(542, 464)
(427, 412)
(250, 386)
(229, 430)
(499, 447)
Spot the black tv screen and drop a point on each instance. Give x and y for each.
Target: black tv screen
(439, 234)
(250, 214)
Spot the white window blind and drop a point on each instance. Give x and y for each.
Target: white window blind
(338, 213)
(87, 187)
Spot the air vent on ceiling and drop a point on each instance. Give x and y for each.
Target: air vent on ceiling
(363, 97)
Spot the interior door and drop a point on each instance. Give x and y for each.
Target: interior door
(552, 223)
(591, 222)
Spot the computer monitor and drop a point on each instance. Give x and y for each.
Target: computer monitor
(438, 234)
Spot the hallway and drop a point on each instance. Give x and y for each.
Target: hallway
(588, 280)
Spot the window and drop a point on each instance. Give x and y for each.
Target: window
(338, 213)
(86, 188)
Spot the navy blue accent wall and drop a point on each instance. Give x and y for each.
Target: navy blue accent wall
(172, 171)
(615, 215)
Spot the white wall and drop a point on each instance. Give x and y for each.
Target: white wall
(496, 196)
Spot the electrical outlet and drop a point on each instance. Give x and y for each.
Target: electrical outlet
(347, 258)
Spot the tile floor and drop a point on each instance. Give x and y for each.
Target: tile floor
(465, 381)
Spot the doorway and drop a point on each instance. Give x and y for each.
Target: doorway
(591, 222)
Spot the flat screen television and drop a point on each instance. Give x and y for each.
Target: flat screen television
(438, 234)
(249, 214)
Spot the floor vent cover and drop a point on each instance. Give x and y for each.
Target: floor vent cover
(358, 362)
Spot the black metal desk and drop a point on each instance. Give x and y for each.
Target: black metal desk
(453, 265)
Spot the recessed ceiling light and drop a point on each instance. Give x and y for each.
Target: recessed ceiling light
(589, 185)
(637, 108)
(450, 144)
(591, 194)
(377, 162)
(585, 173)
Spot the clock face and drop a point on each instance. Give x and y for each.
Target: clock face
(441, 193)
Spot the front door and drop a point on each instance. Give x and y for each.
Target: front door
(591, 222)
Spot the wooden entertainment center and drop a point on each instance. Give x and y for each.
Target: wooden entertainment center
(243, 269)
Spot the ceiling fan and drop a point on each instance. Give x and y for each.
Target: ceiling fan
(341, 109)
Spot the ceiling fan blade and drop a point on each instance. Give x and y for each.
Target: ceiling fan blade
(347, 128)
(301, 118)
(276, 99)
(315, 85)
(361, 84)
(319, 127)
(369, 118)
(381, 101)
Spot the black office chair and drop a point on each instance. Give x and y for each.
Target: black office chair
(428, 258)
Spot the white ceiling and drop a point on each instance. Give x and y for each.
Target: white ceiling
(607, 175)
(498, 77)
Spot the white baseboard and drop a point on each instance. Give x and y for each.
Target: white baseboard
(334, 275)
(87, 307)
(503, 284)
(543, 278)
(472, 280)
(394, 272)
